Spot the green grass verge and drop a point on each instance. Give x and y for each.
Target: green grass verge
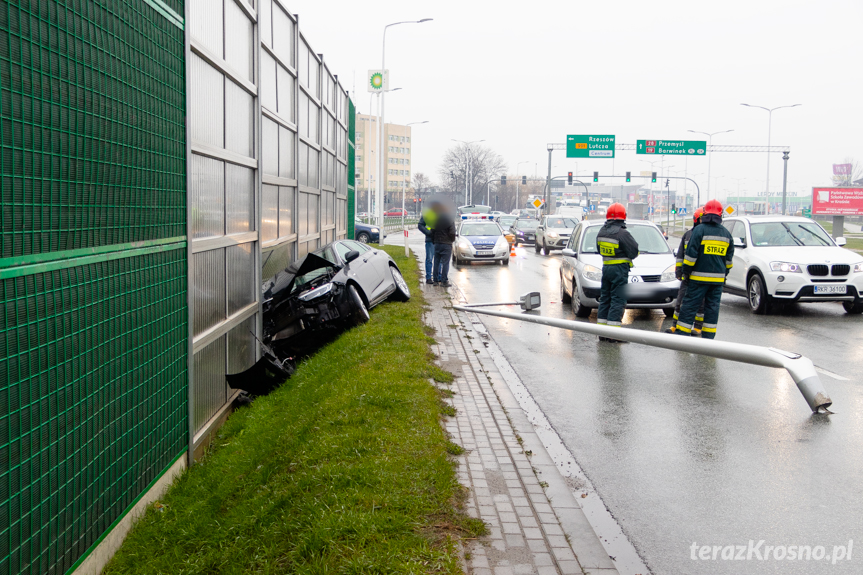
(343, 469)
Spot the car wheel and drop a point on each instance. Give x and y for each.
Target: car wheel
(759, 299)
(577, 308)
(853, 306)
(360, 314)
(455, 260)
(505, 261)
(545, 249)
(403, 292)
(363, 238)
(536, 247)
(564, 297)
(669, 311)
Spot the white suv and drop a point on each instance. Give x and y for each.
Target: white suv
(790, 259)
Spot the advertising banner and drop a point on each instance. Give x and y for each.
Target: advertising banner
(837, 201)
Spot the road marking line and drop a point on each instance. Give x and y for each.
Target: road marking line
(831, 374)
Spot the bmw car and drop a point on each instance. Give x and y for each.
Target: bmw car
(480, 241)
(652, 284)
(783, 259)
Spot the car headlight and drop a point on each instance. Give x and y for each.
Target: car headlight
(464, 244)
(592, 273)
(519, 232)
(317, 292)
(858, 268)
(786, 267)
(501, 243)
(552, 235)
(668, 275)
(375, 230)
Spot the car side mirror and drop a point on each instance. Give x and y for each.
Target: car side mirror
(841, 241)
(351, 256)
(568, 252)
(739, 243)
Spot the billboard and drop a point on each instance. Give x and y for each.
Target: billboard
(842, 169)
(837, 201)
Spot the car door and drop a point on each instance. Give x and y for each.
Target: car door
(737, 275)
(363, 269)
(567, 263)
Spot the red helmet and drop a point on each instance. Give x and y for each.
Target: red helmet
(697, 215)
(713, 207)
(615, 211)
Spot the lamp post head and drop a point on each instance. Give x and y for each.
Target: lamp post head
(425, 20)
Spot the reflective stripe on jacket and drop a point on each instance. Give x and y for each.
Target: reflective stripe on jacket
(710, 253)
(615, 244)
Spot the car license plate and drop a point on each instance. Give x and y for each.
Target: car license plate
(530, 237)
(485, 252)
(840, 289)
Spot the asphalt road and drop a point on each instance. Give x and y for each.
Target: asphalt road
(687, 449)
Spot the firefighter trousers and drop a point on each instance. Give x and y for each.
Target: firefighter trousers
(696, 293)
(612, 296)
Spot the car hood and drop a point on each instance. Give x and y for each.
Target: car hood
(280, 285)
(561, 231)
(644, 264)
(804, 254)
(481, 240)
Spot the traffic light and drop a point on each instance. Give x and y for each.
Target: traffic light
(628, 176)
(524, 180)
(667, 183)
(569, 178)
(503, 180)
(595, 176)
(653, 177)
(673, 208)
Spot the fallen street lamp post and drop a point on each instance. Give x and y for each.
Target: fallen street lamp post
(800, 368)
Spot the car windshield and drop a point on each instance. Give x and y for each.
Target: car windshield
(488, 229)
(526, 224)
(507, 220)
(789, 234)
(649, 240)
(560, 223)
(474, 209)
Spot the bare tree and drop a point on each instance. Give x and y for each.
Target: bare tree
(852, 176)
(420, 183)
(476, 161)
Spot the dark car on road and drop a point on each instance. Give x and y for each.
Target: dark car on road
(326, 291)
(524, 231)
(367, 233)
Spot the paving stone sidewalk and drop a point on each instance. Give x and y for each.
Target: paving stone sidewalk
(512, 479)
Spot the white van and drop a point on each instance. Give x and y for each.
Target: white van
(574, 212)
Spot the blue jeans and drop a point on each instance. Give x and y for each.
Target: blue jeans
(429, 258)
(442, 255)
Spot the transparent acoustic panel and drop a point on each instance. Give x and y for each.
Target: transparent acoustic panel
(239, 199)
(238, 40)
(239, 120)
(207, 197)
(211, 388)
(241, 276)
(208, 104)
(287, 195)
(269, 212)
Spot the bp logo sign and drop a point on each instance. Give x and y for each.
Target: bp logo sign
(378, 81)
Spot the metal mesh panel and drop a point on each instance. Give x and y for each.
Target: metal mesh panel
(92, 144)
(92, 401)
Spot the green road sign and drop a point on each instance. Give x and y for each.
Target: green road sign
(590, 146)
(807, 213)
(672, 147)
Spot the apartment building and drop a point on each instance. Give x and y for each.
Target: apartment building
(397, 159)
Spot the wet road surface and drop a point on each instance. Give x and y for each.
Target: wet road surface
(687, 449)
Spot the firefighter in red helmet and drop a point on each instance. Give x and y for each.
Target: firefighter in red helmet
(618, 248)
(706, 263)
(678, 272)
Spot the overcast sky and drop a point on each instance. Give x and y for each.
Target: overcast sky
(522, 74)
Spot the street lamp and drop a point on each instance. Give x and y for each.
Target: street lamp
(769, 128)
(517, 182)
(468, 198)
(383, 108)
(709, 157)
(368, 140)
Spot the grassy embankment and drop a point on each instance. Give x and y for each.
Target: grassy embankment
(343, 469)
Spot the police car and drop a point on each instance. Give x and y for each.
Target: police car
(781, 259)
(480, 240)
(652, 284)
(475, 212)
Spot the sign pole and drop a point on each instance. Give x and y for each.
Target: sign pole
(784, 180)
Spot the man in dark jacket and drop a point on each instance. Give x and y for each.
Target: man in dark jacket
(618, 248)
(707, 261)
(443, 236)
(426, 226)
(678, 272)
